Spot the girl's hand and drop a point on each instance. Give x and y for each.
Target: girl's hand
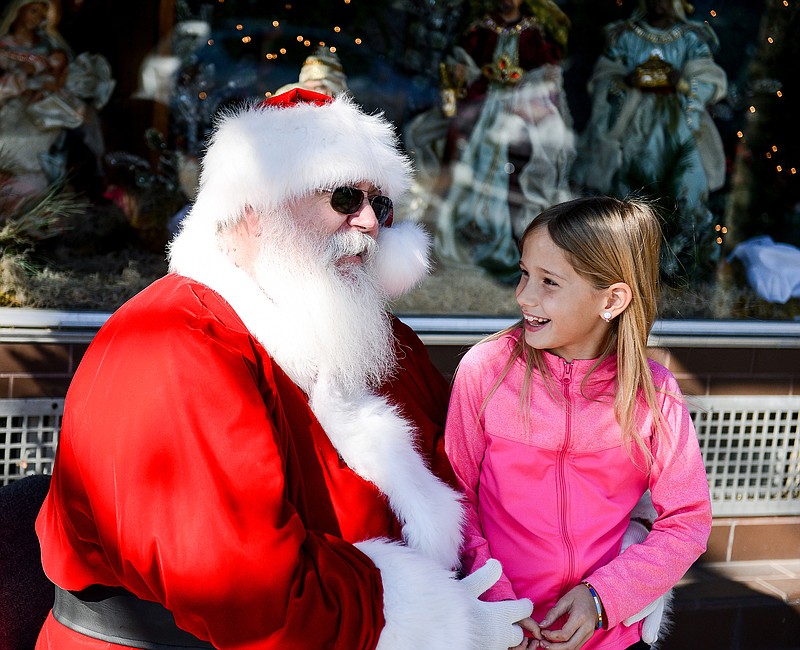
(578, 606)
(533, 627)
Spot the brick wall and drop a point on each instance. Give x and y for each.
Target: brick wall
(733, 371)
(702, 371)
(37, 369)
(45, 369)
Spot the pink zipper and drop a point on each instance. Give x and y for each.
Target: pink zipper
(563, 491)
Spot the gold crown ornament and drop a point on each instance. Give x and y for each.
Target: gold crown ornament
(653, 73)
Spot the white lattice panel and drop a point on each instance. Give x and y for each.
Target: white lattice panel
(751, 448)
(750, 445)
(28, 436)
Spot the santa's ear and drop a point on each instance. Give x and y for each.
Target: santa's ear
(251, 220)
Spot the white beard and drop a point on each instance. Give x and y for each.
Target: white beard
(336, 314)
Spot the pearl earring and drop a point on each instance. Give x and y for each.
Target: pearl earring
(607, 316)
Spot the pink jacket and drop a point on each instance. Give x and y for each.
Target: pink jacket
(552, 501)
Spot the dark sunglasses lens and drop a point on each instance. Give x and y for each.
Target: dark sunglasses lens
(382, 205)
(346, 200)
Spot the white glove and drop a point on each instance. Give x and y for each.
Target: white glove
(495, 623)
(656, 618)
(635, 533)
(654, 612)
(644, 509)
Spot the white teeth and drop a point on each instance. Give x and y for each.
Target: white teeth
(535, 320)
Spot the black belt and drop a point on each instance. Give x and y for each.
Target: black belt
(115, 615)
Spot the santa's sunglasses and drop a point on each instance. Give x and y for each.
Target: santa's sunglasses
(348, 200)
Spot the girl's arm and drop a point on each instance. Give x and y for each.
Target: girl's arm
(679, 491)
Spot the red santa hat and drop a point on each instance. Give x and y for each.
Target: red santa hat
(291, 145)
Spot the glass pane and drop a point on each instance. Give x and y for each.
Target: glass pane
(505, 106)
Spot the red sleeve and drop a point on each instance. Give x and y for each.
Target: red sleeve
(422, 393)
(536, 49)
(171, 480)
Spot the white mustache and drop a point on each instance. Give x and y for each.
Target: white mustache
(343, 244)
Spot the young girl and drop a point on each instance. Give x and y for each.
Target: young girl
(559, 424)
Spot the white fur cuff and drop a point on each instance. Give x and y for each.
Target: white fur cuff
(423, 604)
(378, 444)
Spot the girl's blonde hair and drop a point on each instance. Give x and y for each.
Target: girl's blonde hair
(608, 240)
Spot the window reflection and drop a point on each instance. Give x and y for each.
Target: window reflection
(505, 106)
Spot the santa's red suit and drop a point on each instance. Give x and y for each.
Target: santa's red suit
(215, 477)
(192, 471)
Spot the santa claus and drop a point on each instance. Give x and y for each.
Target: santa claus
(251, 451)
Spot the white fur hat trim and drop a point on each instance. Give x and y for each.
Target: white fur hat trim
(264, 156)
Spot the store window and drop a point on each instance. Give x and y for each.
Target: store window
(505, 106)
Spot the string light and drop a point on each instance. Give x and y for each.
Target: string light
(246, 39)
(739, 135)
(713, 13)
(752, 109)
(779, 93)
(769, 40)
(358, 41)
(779, 168)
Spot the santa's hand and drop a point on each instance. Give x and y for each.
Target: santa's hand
(653, 616)
(495, 624)
(653, 613)
(636, 533)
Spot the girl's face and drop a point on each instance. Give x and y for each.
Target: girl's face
(561, 310)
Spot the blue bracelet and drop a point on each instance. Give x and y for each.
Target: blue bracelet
(597, 605)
